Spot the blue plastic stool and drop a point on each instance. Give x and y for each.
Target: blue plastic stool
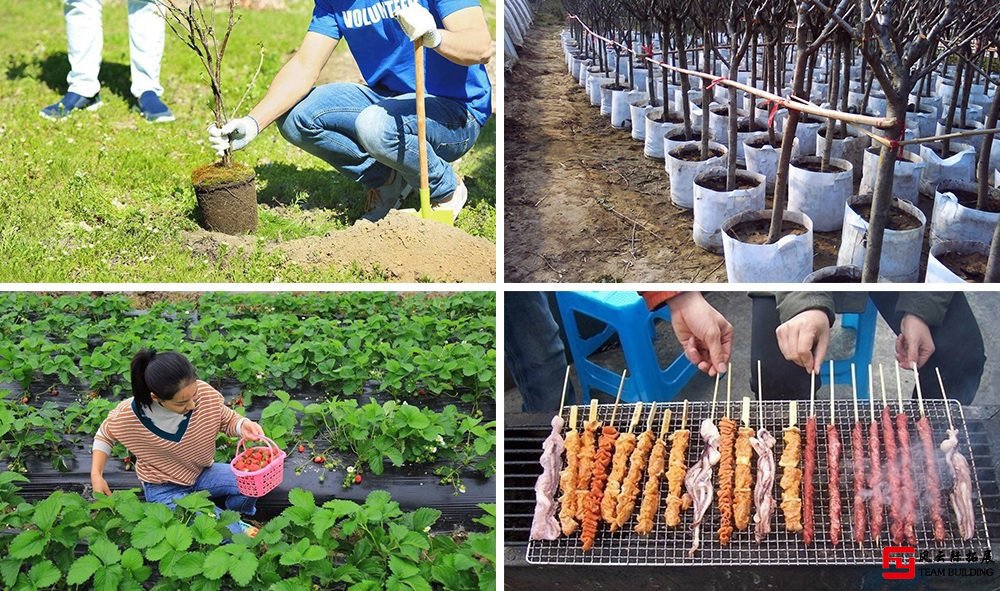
(626, 314)
(864, 345)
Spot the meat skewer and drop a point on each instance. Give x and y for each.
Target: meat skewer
(926, 434)
(875, 474)
(585, 461)
(961, 492)
(727, 465)
(676, 470)
(602, 460)
(651, 492)
(896, 500)
(544, 525)
(858, 456)
(905, 467)
(623, 450)
(636, 470)
(809, 466)
(744, 476)
(763, 444)
(567, 478)
(833, 467)
(791, 475)
(698, 481)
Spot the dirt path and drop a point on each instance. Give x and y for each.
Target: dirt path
(582, 203)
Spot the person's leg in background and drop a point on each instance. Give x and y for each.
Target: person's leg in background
(534, 351)
(85, 42)
(220, 481)
(781, 379)
(388, 131)
(146, 35)
(959, 351)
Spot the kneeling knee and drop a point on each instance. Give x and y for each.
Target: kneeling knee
(377, 132)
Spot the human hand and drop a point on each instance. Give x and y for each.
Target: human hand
(705, 334)
(803, 340)
(252, 431)
(100, 484)
(418, 22)
(914, 343)
(234, 135)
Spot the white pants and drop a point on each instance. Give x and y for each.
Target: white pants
(146, 32)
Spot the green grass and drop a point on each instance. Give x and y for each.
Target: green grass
(106, 197)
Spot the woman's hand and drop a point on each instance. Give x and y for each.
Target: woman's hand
(100, 484)
(705, 334)
(803, 340)
(914, 343)
(252, 431)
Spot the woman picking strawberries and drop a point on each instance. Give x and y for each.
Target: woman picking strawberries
(170, 425)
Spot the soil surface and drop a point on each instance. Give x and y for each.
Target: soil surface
(756, 232)
(693, 154)
(969, 199)
(718, 183)
(816, 165)
(402, 246)
(898, 219)
(970, 267)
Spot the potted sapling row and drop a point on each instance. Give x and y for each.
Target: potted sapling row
(225, 190)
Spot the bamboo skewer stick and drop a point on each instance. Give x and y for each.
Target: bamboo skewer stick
(812, 394)
(947, 407)
(831, 393)
(729, 387)
(920, 396)
(899, 388)
(715, 394)
(760, 396)
(618, 397)
(565, 387)
(635, 417)
(871, 393)
(684, 415)
(854, 387)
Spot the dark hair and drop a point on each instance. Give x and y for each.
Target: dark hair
(163, 373)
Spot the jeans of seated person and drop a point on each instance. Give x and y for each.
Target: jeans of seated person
(366, 135)
(85, 37)
(218, 480)
(534, 351)
(959, 352)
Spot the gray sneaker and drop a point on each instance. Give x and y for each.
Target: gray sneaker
(384, 199)
(454, 202)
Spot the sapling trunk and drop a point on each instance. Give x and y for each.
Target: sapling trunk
(949, 119)
(753, 78)
(993, 264)
(706, 98)
(664, 40)
(845, 84)
(631, 64)
(685, 81)
(882, 193)
(832, 97)
(983, 171)
(650, 81)
(966, 91)
(867, 95)
(771, 67)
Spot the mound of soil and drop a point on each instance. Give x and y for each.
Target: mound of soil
(756, 231)
(898, 219)
(718, 183)
(969, 199)
(402, 246)
(970, 267)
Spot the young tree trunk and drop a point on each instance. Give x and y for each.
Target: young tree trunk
(753, 79)
(631, 62)
(832, 97)
(706, 98)
(882, 194)
(650, 80)
(966, 91)
(685, 81)
(983, 171)
(949, 118)
(771, 59)
(664, 41)
(846, 84)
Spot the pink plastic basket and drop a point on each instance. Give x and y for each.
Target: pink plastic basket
(259, 482)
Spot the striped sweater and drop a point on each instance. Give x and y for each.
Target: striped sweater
(171, 457)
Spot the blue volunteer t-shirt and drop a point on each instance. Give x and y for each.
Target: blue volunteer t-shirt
(385, 55)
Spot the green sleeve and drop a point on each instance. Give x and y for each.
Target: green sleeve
(928, 306)
(792, 303)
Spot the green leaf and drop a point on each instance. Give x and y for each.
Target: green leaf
(44, 574)
(313, 553)
(301, 498)
(10, 568)
(286, 586)
(157, 552)
(417, 583)
(108, 579)
(106, 550)
(402, 568)
(187, 565)
(27, 544)
(179, 537)
(82, 569)
(132, 559)
(243, 568)
(425, 517)
(368, 585)
(46, 512)
(159, 512)
(216, 564)
(322, 521)
(147, 532)
(204, 530)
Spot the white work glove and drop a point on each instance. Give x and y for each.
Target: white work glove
(234, 135)
(418, 22)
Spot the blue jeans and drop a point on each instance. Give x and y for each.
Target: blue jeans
(534, 351)
(366, 135)
(218, 480)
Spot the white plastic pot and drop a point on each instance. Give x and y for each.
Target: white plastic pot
(938, 273)
(922, 122)
(851, 148)
(712, 208)
(682, 172)
(820, 195)
(653, 146)
(621, 116)
(789, 260)
(674, 136)
(764, 160)
(638, 107)
(900, 248)
(929, 101)
(958, 167)
(835, 274)
(906, 178)
(805, 132)
(594, 84)
(952, 221)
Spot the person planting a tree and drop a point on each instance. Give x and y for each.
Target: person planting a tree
(170, 425)
(368, 132)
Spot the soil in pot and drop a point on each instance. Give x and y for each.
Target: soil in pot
(671, 118)
(615, 87)
(695, 136)
(938, 149)
(970, 267)
(718, 183)
(816, 165)
(747, 126)
(898, 219)
(764, 141)
(756, 231)
(693, 153)
(838, 279)
(838, 134)
(227, 198)
(969, 199)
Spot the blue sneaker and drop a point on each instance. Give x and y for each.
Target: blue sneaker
(153, 109)
(69, 103)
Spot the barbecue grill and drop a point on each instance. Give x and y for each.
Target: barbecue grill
(782, 552)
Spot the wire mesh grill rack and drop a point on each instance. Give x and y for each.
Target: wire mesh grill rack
(669, 546)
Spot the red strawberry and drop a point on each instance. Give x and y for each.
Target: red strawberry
(302, 448)
(25, 400)
(357, 479)
(319, 460)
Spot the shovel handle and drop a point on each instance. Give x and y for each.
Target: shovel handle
(425, 190)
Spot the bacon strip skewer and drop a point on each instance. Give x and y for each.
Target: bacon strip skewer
(727, 466)
(676, 471)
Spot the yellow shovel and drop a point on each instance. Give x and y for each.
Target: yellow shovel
(438, 215)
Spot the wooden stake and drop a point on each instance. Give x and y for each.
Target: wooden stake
(635, 417)
(793, 413)
(920, 396)
(947, 407)
(831, 393)
(745, 413)
(618, 397)
(565, 387)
